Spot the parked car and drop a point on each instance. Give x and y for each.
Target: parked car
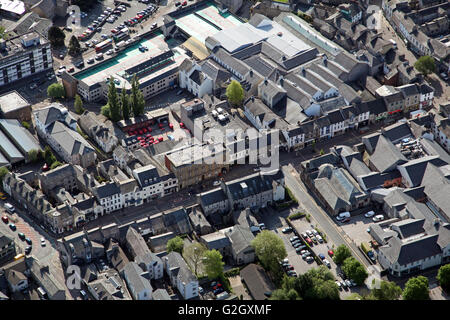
(201, 290)
(292, 273)
(348, 283)
(83, 295)
(339, 285)
(28, 249)
(12, 226)
(297, 245)
(377, 218)
(292, 239)
(306, 254)
(216, 183)
(344, 285)
(319, 238)
(330, 253)
(309, 233)
(327, 263)
(369, 214)
(371, 255)
(42, 242)
(309, 241)
(286, 230)
(353, 283)
(309, 259)
(5, 219)
(322, 256)
(21, 236)
(28, 240)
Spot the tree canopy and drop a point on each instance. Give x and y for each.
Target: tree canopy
(443, 277)
(193, 254)
(136, 98)
(124, 104)
(78, 105)
(113, 101)
(388, 291)
(354, 270)
(175, 244)
(317, 283)
(56, 91)
(3, 172)
(270, 250)
(235, 93)
(74, 46)
(416, 289)
(341, 253)
(425, 65)
(213, 264)
(56, 36)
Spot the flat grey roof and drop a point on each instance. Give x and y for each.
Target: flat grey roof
(12, 101)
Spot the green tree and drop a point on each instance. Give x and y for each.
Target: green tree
(106, 111)
(3, 172)
(416, 289)
(56, 91)
(74, 46)
(55, 164)
(341, 253)
(443, 277)
(124, 104)
(354, 270)
(322, 152)
(193, 254)
(78, 105)
(34, 155)
(388, 291)
(49, 157)
(175, 244)
(113, 101)
(269, 249)
(235, 93)
(137, 98)
(56, 36)
(213, 264)
(3, 34)
(425, 65)
(26, 124)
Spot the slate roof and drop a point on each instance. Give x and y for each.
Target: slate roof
(240, 238)
(133, 272)
(403, 253)
(257, 281)
(179, 268)
(71, 141)
(216, 240)
(386, 155)
(161, 294)
(251, 185)
(213, 196)
(106, 190)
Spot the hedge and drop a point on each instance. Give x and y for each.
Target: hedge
(297, 215)
(232, 272)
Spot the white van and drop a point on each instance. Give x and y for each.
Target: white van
(9, 207)
(343, 215)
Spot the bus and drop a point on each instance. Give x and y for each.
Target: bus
(103, 45)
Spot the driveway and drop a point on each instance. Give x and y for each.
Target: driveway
(238, 288)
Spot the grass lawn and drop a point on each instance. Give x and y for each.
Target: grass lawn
(283, 1)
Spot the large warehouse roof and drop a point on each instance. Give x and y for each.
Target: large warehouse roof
(9, 150)
(19, 135)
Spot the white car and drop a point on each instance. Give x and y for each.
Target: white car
(319, 238)
(42, 242)
(377, 218)
(369, 214)
(309, 259)
(110, 52)
(216, 183)
(285, 260)
(314, 232)
(327, 263)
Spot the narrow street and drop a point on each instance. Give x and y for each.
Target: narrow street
(294, 183)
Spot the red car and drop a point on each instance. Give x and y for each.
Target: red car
(170, 126)
(330, 253)
(184, 3)
(308, 240)
(181, 124)
(156, 142)
(5, 219)
(144, 130)
(160, 138)
(45, 167)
